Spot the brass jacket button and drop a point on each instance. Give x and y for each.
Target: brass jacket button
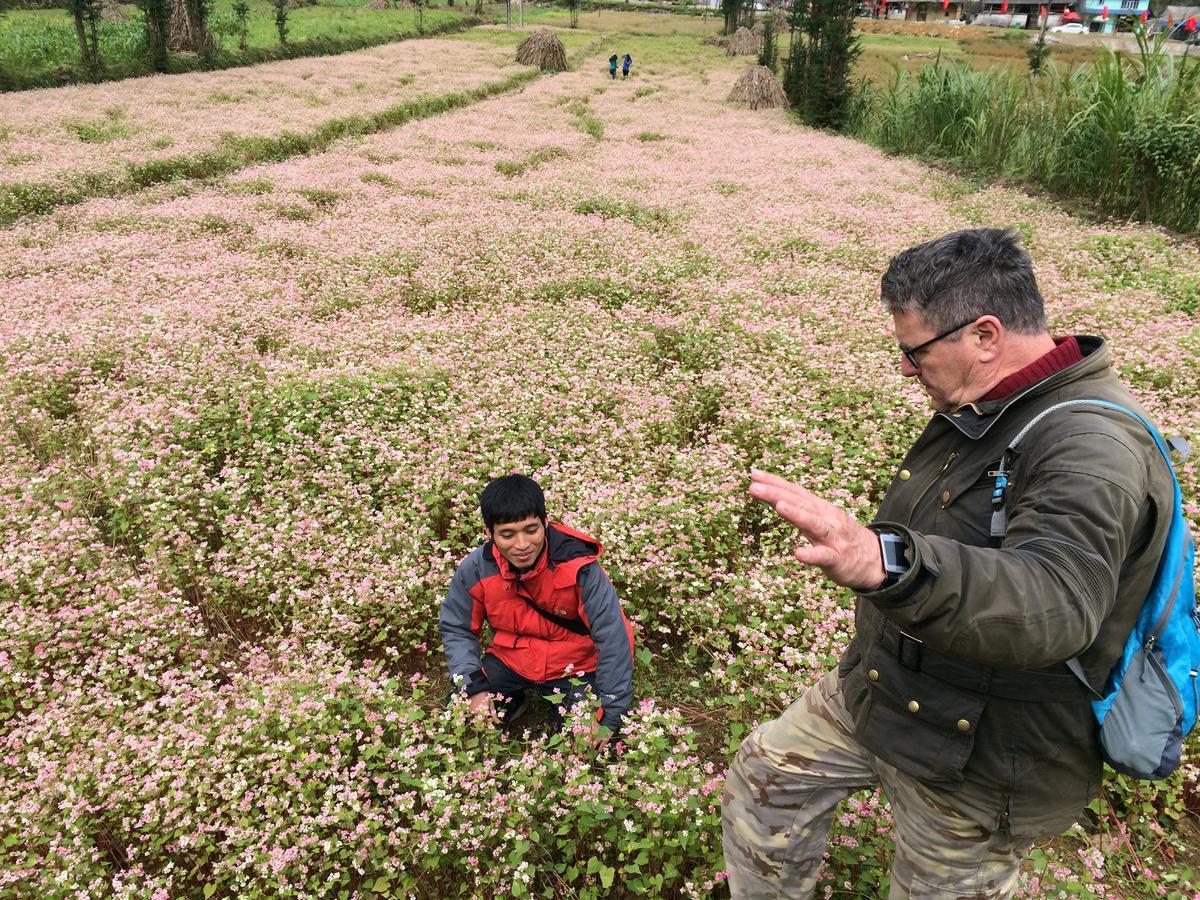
(905, 474)
(945, 496)
(963, 725)
(914, 706)
(873, 674)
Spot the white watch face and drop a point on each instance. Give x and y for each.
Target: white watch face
(892, 548)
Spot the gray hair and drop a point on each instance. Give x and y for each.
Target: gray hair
(964, 275)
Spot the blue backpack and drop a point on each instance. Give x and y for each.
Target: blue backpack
(1151, 698)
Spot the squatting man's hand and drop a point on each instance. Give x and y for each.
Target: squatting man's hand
(845, 551)
(483, 708)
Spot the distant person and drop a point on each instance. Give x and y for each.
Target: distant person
(625, 65)
(553, 614)
(612, 67)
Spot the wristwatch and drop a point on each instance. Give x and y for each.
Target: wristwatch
(895, 564)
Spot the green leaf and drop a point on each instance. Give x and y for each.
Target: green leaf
(382, 885)
(556, 698)
(209, 890)
(606, 876)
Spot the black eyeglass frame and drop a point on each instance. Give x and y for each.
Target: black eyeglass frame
(911, 353)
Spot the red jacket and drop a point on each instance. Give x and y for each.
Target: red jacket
(567, 581)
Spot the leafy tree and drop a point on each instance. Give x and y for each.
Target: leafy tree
(573, 6)
(1039, 51)
(821, 58)
(281, 14)
(158, 23)
(731, 9)
(197, 12)
(86, 14)
(241, 10)
(769, 55)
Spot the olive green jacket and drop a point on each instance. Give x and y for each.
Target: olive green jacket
(956, 674)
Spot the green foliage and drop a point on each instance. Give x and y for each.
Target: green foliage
(513, 168)
(1039, 53)
(823, 51)
(47, 54)
(584, 119)
(1122, 136)
(609, 208)
(281, 17)
(769, 54)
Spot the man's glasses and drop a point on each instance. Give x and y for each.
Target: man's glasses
(910, 353)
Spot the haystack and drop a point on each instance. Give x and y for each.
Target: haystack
(743, 43)
(112, 11)
(378, 4)
(544, 50)
(758, 88)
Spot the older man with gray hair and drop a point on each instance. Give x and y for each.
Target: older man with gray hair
(954, 696)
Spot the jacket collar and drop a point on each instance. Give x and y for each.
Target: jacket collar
(975, 419)
(539, 566)
(563, 545)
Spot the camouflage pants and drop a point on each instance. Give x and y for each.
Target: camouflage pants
(783, 789)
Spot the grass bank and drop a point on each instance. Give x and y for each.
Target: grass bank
(38, 48)
(1121, 136)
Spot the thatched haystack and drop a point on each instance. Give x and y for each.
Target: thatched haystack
(544, 50)
(743, 43)
(112, 11)
(759, 89)
(758, 28)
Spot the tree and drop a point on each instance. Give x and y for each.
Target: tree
(1039, 51)
(158, 28)
(281, 14)
(241, 10)
(822, 54)
(86, 14)
(731, 8)
(573, 6)
(769, 55)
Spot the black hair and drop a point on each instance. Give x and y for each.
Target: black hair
(964, 275)
(511, 498)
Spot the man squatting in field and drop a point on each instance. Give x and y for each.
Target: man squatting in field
(557, 625)
(953, 696)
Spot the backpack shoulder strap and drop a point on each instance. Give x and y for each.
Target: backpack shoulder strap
(1000, 514)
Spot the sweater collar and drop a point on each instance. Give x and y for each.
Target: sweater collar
(975, 419)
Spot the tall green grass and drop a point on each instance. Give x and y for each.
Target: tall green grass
(1122, 135)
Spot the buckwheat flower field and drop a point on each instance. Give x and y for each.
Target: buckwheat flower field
(245, 424)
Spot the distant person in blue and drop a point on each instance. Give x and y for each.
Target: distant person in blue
(612, 67)
(625, 64)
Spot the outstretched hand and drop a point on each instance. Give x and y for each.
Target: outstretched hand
(845, 551)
